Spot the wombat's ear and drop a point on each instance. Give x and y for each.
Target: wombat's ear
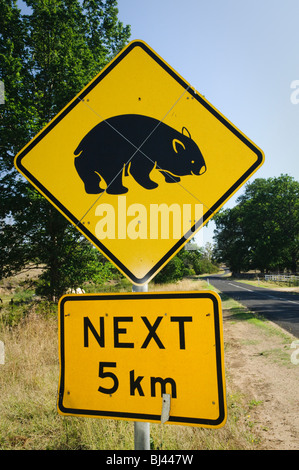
(186, 132)
(175, 144)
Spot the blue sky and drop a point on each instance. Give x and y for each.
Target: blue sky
(243, 56)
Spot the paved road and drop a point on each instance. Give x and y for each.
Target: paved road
(279, 307)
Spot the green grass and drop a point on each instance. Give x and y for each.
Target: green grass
(278, 356)
(269, 284)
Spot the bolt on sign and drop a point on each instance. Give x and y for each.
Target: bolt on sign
(119, 353)
(139, 161)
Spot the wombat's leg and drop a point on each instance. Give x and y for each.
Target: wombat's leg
(170, 178)
(92, 183)
(90, 178)
(140, 171)
(116, 186)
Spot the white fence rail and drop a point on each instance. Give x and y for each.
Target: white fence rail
(281, 277)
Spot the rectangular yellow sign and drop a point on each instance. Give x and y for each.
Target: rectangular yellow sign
(119, 353)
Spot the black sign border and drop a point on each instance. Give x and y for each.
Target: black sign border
(140, 416)
(83, 228)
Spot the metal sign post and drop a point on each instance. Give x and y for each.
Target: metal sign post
(141, 429)
(141, 435)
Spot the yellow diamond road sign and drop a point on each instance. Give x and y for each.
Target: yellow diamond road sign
(139, 161)
(120, 353)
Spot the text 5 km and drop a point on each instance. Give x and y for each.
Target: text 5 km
(134, 382)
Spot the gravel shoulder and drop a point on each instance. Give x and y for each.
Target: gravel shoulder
(263, 366)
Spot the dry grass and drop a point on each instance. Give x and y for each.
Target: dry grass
(28, 384)
(184, 285)
(28, 387)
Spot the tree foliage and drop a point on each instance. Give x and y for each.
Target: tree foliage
(187, 263)
(46, 58)
(262, 230)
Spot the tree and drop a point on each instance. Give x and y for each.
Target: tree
(262, 231)
(231, 246)
(271, 215)
(173, 271)
(187, 262)
(46, 58)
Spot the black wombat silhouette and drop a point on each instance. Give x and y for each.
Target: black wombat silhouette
(133, 144)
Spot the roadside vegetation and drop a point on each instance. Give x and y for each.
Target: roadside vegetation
(294, 284)
(29, 382)
(261, 231)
